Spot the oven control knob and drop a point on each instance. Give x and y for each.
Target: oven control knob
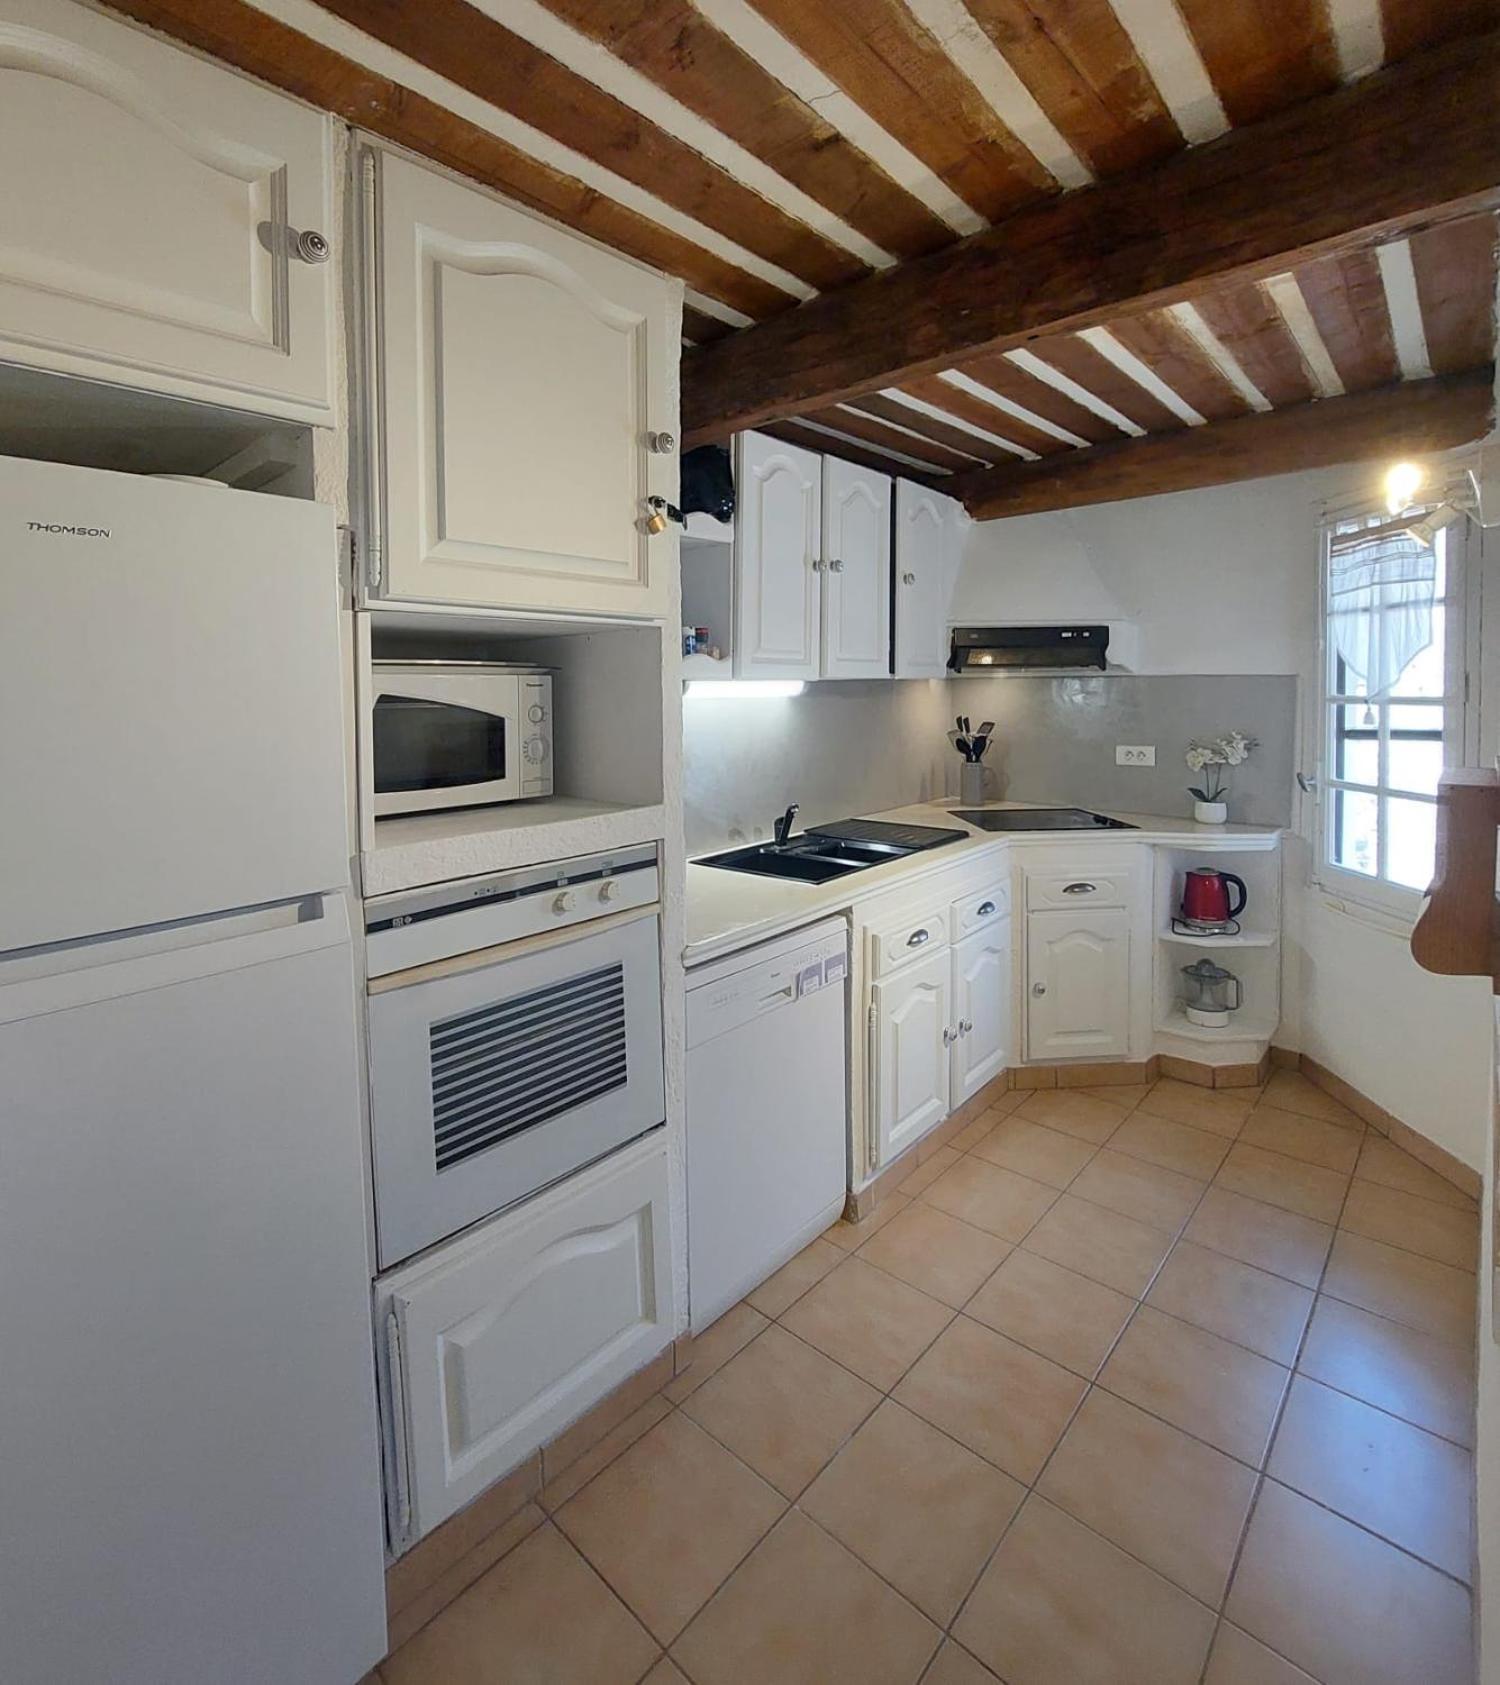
(536, 749)
(564, 902)
(536, 713)
(609, 890)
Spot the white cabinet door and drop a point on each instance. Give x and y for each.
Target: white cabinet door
(981, 1009)
(149, 216)
(913, 1033)
(499, 1340)
(1078, 984)
(524, 371)
(928, 527)
(778, 537)
(856, 572)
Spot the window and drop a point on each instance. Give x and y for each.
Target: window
(1393, 686)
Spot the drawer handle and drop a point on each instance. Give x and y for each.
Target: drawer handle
(1080, 888)
(918, 937)
(1038, 988)
(985, 908)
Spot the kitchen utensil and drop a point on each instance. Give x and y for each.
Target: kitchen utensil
(1210, 994)
(1205, 899)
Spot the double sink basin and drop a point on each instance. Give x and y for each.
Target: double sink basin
(820, 855)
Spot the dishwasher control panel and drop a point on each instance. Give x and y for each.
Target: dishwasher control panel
(764, 984)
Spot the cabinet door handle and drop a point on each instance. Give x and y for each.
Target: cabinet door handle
(985, 908)
(661, 444)
(918, 937)
(965, 1026)
(1080, 888)
(908, 579)
(950, 1035)
(818, 564)
(835, 566)
(1038, 988)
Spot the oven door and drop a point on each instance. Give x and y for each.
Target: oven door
(494, 1074)
(445, 742)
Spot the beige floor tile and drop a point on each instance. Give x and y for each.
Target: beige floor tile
(1058, 1605)
(922, 1511)
(602, 1453)
(926, 1173)
(793, 1279)
(1054, 1311)
(849, 1237)
(955, 1666)
(1426, 1381)
(1103, 1245)
(979, 1130)
(929, 1250)
(1333, 1146)
(1420, 1292)
(1233, 1299)
(715, 1346)
(802, 1610)
(1261, 1234)
(783, 1408)
(1306, 1189)
(437, 1594)
(990, 1198)
(1239, 1659)
(1293, 1092)
(540, 1614)
(1174, 1146)
(1046, 1155)
(1001, 1400)
(1075, 1112)
(1221, 1111)
(1140, 1190)
(666, 1672)
(1343, 1605)
(1172, 1501)
(868, 1321)
(1211, 1389)
(665, 1522)
(1405, 1484)
(1382, 1161)
(1419, 1225)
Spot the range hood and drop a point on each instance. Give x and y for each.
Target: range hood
(993, 649)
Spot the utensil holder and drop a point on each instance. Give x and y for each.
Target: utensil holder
(971, 783)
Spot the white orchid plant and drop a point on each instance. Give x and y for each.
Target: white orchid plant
(1211, 756)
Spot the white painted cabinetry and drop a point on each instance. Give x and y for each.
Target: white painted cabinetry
(520, 376)
(1078, 984)
(164, 222)
(501, 1338)
(928, 535)
(812, 565)
(913, 1034)
(981, 1008)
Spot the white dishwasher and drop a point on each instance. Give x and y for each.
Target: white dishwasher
(767, 1109)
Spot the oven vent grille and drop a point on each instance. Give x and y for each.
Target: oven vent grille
(505, 1068)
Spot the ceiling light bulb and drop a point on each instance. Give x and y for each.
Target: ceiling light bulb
(1402, 483)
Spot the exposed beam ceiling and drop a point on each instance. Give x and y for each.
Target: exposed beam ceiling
(1414, 419)
(1402, 150)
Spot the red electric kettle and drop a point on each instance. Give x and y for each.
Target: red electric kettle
(1205, 897)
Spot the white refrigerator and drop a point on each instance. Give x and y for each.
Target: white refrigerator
(189, 1463)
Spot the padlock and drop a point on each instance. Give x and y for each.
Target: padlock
(656, 515)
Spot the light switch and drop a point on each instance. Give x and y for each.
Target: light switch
(1135, 754)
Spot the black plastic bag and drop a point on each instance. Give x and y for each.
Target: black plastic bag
(708, 482)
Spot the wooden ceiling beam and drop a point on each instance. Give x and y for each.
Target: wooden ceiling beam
(1392, 421)
(1399, 151)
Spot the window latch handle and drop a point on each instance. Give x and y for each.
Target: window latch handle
(1305, 784)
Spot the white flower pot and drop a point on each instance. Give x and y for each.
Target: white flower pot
(1210, 813)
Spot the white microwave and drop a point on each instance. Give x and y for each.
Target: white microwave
(459, 734)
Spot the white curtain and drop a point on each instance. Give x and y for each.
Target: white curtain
(1380, 592)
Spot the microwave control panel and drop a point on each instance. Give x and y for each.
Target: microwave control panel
(536, 740)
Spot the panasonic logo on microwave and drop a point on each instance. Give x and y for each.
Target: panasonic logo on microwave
(70, 531)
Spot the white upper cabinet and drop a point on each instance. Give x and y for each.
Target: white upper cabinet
(856, 572)
(778, 538)
(164, 223)
(524, 375)
(929, 532)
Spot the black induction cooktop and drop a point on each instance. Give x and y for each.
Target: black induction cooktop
(1040, 819)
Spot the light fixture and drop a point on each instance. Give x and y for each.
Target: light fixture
(741, 690)
(1403, 480)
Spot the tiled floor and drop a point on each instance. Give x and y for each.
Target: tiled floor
(1128, 1387)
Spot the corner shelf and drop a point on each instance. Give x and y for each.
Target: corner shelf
(704, 529)
(1243, 939)
(1238, 1028)
(705, 667)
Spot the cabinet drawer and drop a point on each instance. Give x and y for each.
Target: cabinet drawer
(896, 942)
(982, 908)
(1078, 886)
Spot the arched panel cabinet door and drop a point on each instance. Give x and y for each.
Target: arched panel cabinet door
(164, 223)
(527, 402)
(856, 572)
(778, 559)
(929, 534)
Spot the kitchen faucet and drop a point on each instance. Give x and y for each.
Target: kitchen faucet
(783, 826)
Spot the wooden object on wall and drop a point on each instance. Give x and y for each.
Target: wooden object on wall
(1458, 934)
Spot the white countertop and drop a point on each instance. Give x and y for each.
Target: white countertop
(727, 911)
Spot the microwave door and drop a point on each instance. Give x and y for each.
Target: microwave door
(431, 751)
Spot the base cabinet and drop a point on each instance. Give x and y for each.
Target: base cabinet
(494, 1344)
(981, 1011)
(1078, 984)
(913, 1034)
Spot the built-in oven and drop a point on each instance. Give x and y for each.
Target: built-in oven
(515, 1035)
(459, 734)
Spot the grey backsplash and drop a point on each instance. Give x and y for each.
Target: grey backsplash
(844, 748)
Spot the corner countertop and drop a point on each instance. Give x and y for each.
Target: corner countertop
(727, 911)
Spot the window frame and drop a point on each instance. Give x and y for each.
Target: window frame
(1378, 893)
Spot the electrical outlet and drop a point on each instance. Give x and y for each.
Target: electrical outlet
(1135, 754)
